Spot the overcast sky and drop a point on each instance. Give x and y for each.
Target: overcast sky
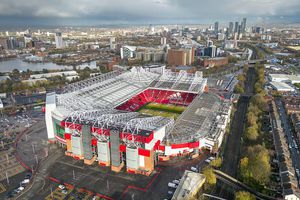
(97, 12)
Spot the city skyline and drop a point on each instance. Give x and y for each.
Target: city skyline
(144, 12)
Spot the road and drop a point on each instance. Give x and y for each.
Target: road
(293, 146)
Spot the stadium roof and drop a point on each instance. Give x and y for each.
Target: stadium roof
(199, 120)
(132, 122)
(93, 101)
(114, 88)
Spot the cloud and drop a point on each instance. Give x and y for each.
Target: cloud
(146, 10)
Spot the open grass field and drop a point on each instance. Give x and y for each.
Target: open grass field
(164, 110)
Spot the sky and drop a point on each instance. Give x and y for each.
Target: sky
(98, 12)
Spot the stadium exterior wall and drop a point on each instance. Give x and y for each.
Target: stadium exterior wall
(50, 107)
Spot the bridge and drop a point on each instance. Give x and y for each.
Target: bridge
(229, 180)
(256, 61)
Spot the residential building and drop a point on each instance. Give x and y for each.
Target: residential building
(58, 40)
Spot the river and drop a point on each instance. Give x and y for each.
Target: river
(17, 63)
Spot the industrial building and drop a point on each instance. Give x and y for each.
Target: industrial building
(284, 78)
(97, 120)
(281, 87)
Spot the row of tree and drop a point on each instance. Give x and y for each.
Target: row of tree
(257, 107)
(260, 75)
(240, 86)
(255, 166)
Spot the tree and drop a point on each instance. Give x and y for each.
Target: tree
(15, 74)
(238, 89)
(241, 77)
(258, 87)
(254, 109)
(251, 118)
(244, 167)
(251, 133)
(210, 176)
(216, 163)
(255, 166)
(260, 101)
(232, 59)
(243, 195)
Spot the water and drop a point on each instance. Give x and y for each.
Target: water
(9, 65)
(91, 65)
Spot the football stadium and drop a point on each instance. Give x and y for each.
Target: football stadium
(134, 118)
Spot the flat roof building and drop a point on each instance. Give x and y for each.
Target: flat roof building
(282, 87)
(189, 185)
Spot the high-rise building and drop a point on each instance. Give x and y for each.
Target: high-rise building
(163, 41)
(236, 27)
(127, 51)
(216, 30)
(230, 29)
(244, 25)
(209, 42)
(112, 44)
(151, 29)
(176, 57)
(58, 40)
(240, 29)
(12, 43)
(210, 51)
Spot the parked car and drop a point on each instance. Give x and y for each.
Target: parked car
(62, 187)
(64, 191)
(194, 169)
(26, 181)
(172, 185)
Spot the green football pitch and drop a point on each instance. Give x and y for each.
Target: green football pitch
(164, 110)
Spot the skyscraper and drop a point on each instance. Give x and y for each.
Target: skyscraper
(58, 40)
(11, 43)
(240, 29)
(216, 27)
(236, 27)
(244, 25)
(230, 29)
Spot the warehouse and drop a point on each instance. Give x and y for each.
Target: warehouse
(282, 87)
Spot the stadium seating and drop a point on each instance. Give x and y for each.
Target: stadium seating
(158, 96)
